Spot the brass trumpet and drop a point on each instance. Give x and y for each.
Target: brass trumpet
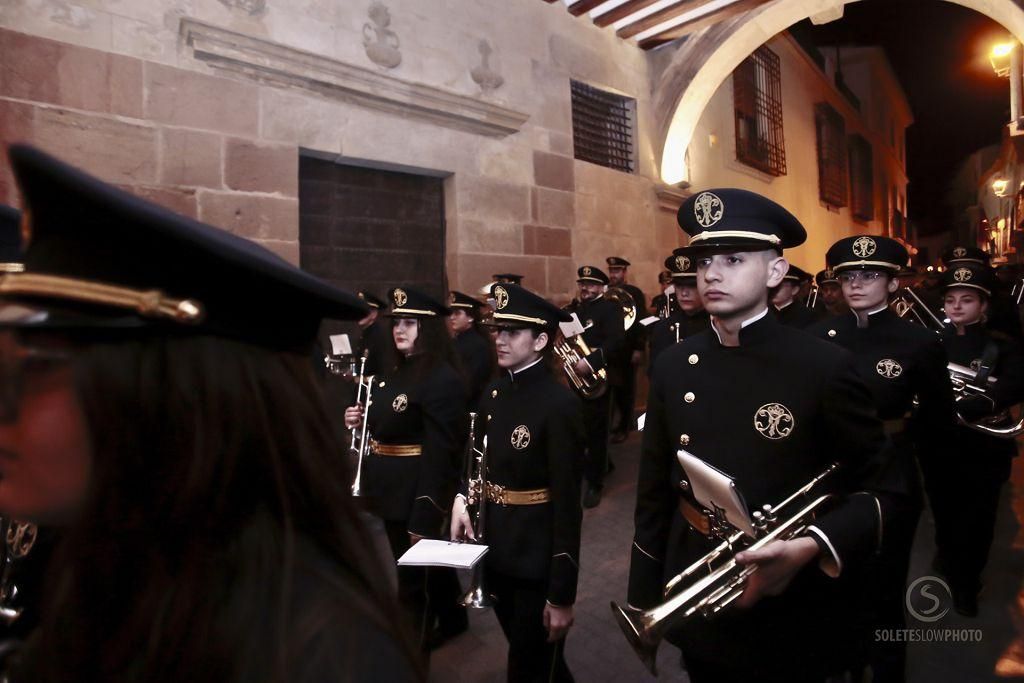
(18, 539)
(359, 437)
(716, 580)
(477, 596)
(965, 383)
(570, 351)
(625, 301)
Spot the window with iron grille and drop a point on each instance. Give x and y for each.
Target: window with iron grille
(757, 94)
(861, 179)
(831, 135)
(602, 127)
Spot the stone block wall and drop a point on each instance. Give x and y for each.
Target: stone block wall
(119, 89)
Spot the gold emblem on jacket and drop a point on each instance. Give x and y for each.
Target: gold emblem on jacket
(400, 403)
(774, 421)
(520, 437)
(888, 368)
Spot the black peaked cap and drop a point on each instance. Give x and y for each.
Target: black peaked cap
(867, 252)
(730, 219)
(165, 269)
(973, 275)
(516, 306)
(591, 274)
(409, 302)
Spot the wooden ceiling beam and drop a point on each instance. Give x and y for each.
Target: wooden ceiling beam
(710, 19)
(583, 6)
(660, 17)
(622, 11)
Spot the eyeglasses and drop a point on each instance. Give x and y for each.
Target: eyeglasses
(21, 367)
(864, 275)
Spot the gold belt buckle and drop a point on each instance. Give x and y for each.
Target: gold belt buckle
(496, 494)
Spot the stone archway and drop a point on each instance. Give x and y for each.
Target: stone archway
(703, 63)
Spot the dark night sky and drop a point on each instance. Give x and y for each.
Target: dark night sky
(939, 51)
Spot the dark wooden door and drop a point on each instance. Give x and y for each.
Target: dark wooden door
(364, 228)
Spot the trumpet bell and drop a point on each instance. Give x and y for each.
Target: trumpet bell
(637, 629)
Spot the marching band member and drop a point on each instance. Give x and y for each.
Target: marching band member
(622, 372)
(964, 477)
(786, 305)
(830, 294)
(772, 407)
(606, 337)
(1003, 314)
(688, 316)
(473, 344)
(375, 341)
(534, 442)
(158, 405)
(418, 422)
(898, 361)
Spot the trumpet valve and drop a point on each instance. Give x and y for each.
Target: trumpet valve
(769, 513)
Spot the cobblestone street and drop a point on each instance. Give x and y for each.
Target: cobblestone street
(597, 651)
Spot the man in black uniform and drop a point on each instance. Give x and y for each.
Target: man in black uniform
(1003, 314)
(689, 317)
(376, 337)
(786, 305)
(472, 344)
(830, 295)
(772, 407)
(622, 372)
(606, 337)
(534, 430)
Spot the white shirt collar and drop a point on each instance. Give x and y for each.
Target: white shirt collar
(513, 373)
(748, 321)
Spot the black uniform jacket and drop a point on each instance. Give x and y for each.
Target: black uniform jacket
(535, 440)
(967, 350)
(663, 333)
(477, 362)
(416, 405)
(795, 315)
(607, 335)
(773, 412)
(898, 361)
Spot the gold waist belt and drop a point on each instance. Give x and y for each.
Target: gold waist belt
(503, 496)
(395, 450)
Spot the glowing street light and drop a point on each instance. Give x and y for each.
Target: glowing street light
(999, 187)
(1000, 58)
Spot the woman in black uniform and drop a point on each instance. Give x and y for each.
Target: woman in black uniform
(964, 478)
(899, 362)
(157, 404)
(535, 442)
(418, 422)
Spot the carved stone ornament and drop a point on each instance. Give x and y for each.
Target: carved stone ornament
(381, 42)
(252, 7)
(483, 75)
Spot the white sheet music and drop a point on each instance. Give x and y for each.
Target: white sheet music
(434, 553)
(649, 320)
(340, 345)
(572, 328)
